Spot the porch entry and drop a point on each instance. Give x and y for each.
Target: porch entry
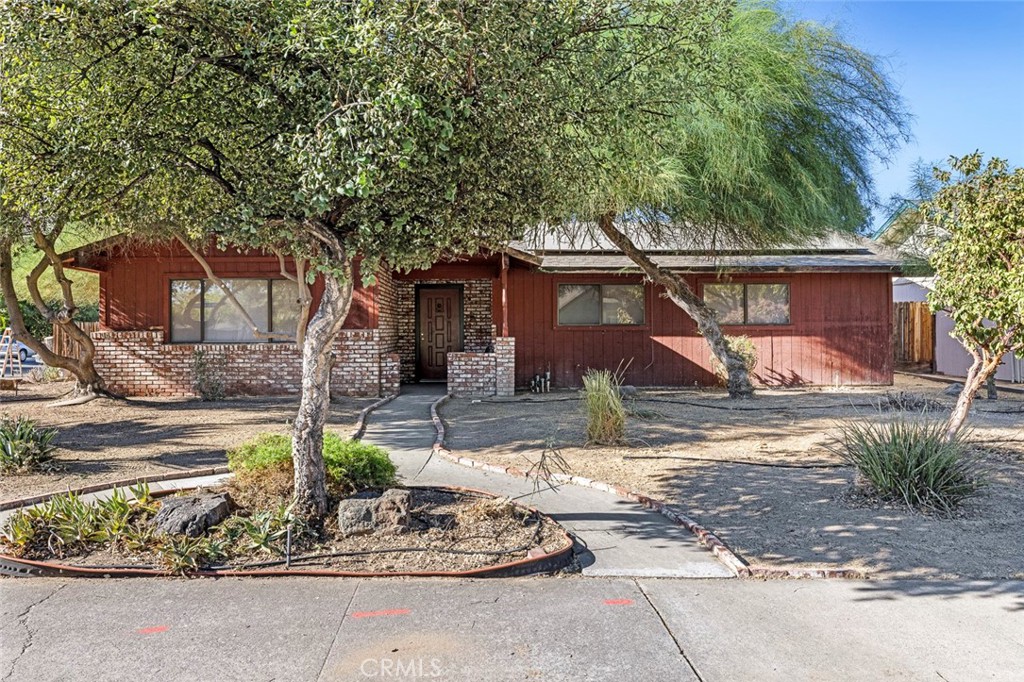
(438, 329)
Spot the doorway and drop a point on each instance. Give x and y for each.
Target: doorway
(438, 329)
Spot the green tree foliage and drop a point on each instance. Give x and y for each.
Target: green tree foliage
(769, 144)
(979, 266)
(63, 165)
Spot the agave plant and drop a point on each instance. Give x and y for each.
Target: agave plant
(25, 447)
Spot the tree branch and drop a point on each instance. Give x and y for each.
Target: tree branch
(256, 331)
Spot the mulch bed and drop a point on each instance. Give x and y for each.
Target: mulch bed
(452, 531)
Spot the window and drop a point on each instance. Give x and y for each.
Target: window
(749, 303)
(599, 304)
(202, 313)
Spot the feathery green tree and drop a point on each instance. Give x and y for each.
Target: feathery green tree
(770, 144)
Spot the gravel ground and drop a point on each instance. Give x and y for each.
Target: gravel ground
(781, 498)
(106, 440)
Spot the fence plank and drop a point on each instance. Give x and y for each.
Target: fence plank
(913, 333)
(64, 345)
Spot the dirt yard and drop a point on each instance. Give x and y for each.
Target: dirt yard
(106, 440)
(760, 475)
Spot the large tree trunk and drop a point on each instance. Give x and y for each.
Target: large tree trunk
(89, 384)
(308, 432)
(983, 367)
(680, 293)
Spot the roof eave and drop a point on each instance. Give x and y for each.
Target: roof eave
(888, 269)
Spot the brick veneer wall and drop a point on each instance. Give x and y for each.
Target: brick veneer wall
(387, 311)
(141, 364)
(471, 375)
(477, 322)
(474, 375)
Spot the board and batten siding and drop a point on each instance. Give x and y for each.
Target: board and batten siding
(840, 333)
(135, 287)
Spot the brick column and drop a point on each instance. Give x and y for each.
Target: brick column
(505, 366)
(390, 374)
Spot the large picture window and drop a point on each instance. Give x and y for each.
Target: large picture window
(600, 304)
(202, 313)
(749, 303)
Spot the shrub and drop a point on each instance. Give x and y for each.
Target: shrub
(911, 462)
(744, 346)
(24, 447)
(206, 375)
(349, 463)
(361, 464)
(606, 416)
(906, 401)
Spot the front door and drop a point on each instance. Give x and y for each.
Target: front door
(439, 318)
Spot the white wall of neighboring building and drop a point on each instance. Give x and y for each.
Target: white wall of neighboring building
(950, 356)
(908, 290)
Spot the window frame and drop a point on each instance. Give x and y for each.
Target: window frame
(202, 310)
(602, 326)
(745, 324)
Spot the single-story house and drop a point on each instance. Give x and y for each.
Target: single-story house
(487, 324)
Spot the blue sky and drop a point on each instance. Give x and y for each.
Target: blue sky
(959, 66)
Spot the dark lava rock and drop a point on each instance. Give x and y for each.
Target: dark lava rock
(368, 513)
(954, 389)
(192, 515)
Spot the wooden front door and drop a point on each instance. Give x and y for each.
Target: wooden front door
(439, 318)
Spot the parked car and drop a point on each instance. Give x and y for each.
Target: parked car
(23, 351)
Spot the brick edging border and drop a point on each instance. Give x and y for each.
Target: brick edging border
(360, 429)
(109, 485)
(704, 536)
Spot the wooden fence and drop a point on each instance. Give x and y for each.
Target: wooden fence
(913, 333)
(63, 344)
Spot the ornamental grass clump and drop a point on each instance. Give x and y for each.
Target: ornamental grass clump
(602, 402)
(25, 447)
(911, 462)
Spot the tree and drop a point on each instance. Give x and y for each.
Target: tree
(352, 134)
(770, 144)
(979, 266)
(59, 171)
(907, 229)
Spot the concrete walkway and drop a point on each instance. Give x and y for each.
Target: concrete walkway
(615, 629)
(615, 537)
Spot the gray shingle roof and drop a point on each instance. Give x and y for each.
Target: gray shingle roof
(586, 251)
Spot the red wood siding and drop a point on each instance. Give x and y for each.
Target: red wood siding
(840, 333)
(135, 286)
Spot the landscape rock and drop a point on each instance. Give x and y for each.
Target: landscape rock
(954, 389)
(368, 513)
(192, 515)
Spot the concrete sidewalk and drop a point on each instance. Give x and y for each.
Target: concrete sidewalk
(616, 537)
(298, 629)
